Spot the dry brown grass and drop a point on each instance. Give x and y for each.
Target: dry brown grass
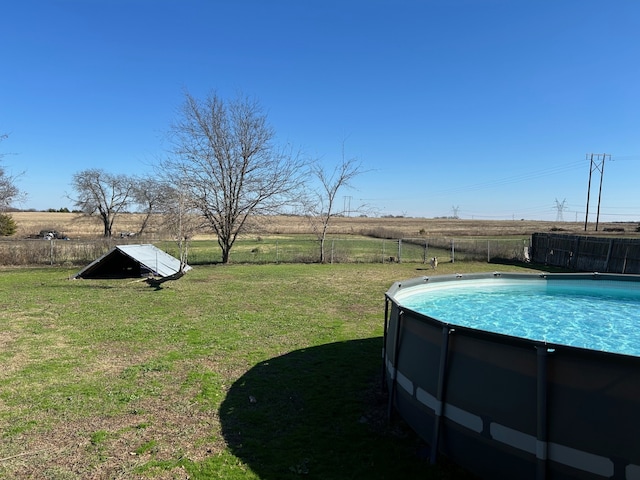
(72, 224)
(78, 226)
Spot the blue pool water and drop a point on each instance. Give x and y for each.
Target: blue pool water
(602, 315)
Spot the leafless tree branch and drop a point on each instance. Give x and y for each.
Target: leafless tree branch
(104, 194)
(225, 158)
(320, 204)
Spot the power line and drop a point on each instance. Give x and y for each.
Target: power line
(514, 178)
(620, 158)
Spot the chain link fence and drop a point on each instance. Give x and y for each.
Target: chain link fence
(278, 250)
(30, 252)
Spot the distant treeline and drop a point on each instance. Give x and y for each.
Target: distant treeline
(48, 210)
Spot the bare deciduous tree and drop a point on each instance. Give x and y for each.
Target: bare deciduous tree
(224, 157)
(103, 194)
(180, 222)
(149, 193)
(9, 192)
(320, 204)
(180, 219)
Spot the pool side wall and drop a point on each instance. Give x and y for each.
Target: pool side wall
(506, 407)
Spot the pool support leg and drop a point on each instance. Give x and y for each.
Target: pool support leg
(442, 372)
(396, 353)
(541, 414)
(384, 343)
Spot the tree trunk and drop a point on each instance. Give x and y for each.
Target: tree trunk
(226, 251)
(107, 227)
(322, 249)
(144, 223)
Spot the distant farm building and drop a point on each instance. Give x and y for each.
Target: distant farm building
(133, 261)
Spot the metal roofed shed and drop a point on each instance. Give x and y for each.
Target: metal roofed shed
(132, 261)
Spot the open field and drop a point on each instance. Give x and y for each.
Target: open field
(77, 226)
(288, 239)
(233, 372)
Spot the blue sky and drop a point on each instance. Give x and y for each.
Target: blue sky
(486, 106)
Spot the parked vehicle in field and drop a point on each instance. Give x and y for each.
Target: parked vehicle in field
(51, 234)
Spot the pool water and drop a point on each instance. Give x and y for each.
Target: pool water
(603, 315)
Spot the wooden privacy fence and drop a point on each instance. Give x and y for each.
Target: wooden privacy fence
(586, 254)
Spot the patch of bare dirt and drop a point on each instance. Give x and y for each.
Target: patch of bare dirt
(168, 427)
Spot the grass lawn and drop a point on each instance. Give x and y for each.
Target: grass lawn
(232, 372)
(306, 249)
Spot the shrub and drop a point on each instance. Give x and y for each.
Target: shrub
(382, 232)
(7, 225)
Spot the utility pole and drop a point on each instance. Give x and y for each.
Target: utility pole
(596, 163)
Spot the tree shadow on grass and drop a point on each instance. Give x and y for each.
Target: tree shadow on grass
(320, 412)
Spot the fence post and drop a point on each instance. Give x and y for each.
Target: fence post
(488, 251)
(426, 250)
(51, 242)
(606, 262)
(332, 246)
(453, 251)
(277, 253)
(399, 250)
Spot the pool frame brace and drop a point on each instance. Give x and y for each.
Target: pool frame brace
(445, 417)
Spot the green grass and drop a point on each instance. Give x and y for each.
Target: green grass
(232, 372)
(306, 249)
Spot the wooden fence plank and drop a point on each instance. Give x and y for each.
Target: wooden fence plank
(586, 253)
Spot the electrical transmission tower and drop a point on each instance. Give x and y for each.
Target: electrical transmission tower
(596, 163)
(347, 205)
(455, 210)
(560, 207)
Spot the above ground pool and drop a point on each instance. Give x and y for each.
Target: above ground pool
(520, 375)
